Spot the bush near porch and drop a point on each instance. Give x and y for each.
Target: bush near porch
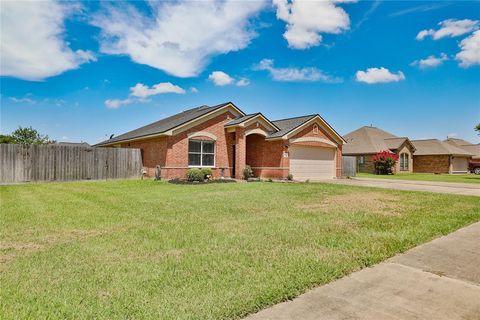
(150, 250)
(384, 162)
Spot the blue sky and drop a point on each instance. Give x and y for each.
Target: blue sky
(82, 71)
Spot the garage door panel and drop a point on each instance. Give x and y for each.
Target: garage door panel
(459, 164)
(314, 163)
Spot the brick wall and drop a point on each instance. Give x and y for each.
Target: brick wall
(171, 153)
(153, 151)
(368, 166)
(431, 164)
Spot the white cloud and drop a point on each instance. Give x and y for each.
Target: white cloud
(116, 103)
(33, 46)
(379, 75)
(294, 74)
(421, 8)
(193, 90)
(143, 91)
(243, 82)
(469, 54)
(22, 100)
(450, 28)
(430, 61)
(220, 78)
(140, 92)
(307, 19)
(179, 37)
(86, 56)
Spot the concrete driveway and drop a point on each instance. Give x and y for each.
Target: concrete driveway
(468, 189)
(438, 280)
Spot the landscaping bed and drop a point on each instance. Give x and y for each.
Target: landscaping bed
(207, 181)
(153, 250)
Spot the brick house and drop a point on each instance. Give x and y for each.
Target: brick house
(435, 156)
(425, 156)
(366, 141)
(224, 138)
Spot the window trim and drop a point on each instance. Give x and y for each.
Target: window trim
(361, 160)
(404, 161)
(201, 153)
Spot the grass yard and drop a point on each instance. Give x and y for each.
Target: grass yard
(465, 178)
(153, 250)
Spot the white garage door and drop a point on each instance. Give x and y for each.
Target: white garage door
(459, 164)
(314, 163)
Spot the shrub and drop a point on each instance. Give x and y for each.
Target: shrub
(384, 162)
(207, 173)
(247, 172)
(194, 174)
(290, 177)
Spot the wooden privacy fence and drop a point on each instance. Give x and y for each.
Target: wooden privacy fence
(66, 163)
(349, 166)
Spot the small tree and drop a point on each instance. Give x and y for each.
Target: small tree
(477, 128)
(384, 162)
(27, 136)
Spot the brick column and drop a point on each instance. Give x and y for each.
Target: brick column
(339, 163)
(240, 152)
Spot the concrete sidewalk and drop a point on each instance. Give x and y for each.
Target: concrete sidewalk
(437, 280)
(468, 189)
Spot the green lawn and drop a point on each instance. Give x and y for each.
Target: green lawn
(153, 250)
(466, 178)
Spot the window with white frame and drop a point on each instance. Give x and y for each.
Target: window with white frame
(361, 160)
(201, 153)
(404, 162)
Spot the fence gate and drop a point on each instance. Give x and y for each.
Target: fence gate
(349, 166)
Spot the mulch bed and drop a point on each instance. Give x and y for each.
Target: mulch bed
(184, 181)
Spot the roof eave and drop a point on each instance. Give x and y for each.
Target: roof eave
(285, 136)
(243, 123)
(169, 132)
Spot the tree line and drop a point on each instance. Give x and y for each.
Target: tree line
(25, 136)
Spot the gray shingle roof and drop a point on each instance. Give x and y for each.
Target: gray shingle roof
(366, 140)
(473, 149)
(458, 142)
(241, 119)
(73, 144)
(164, 124)
(287, 125)
(395, 143)
(465, 145)
(437, 147)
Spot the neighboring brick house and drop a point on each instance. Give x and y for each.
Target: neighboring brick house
(366, 141)
(224, 138)
(435, 156)
(427, 156)
(465, 145)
